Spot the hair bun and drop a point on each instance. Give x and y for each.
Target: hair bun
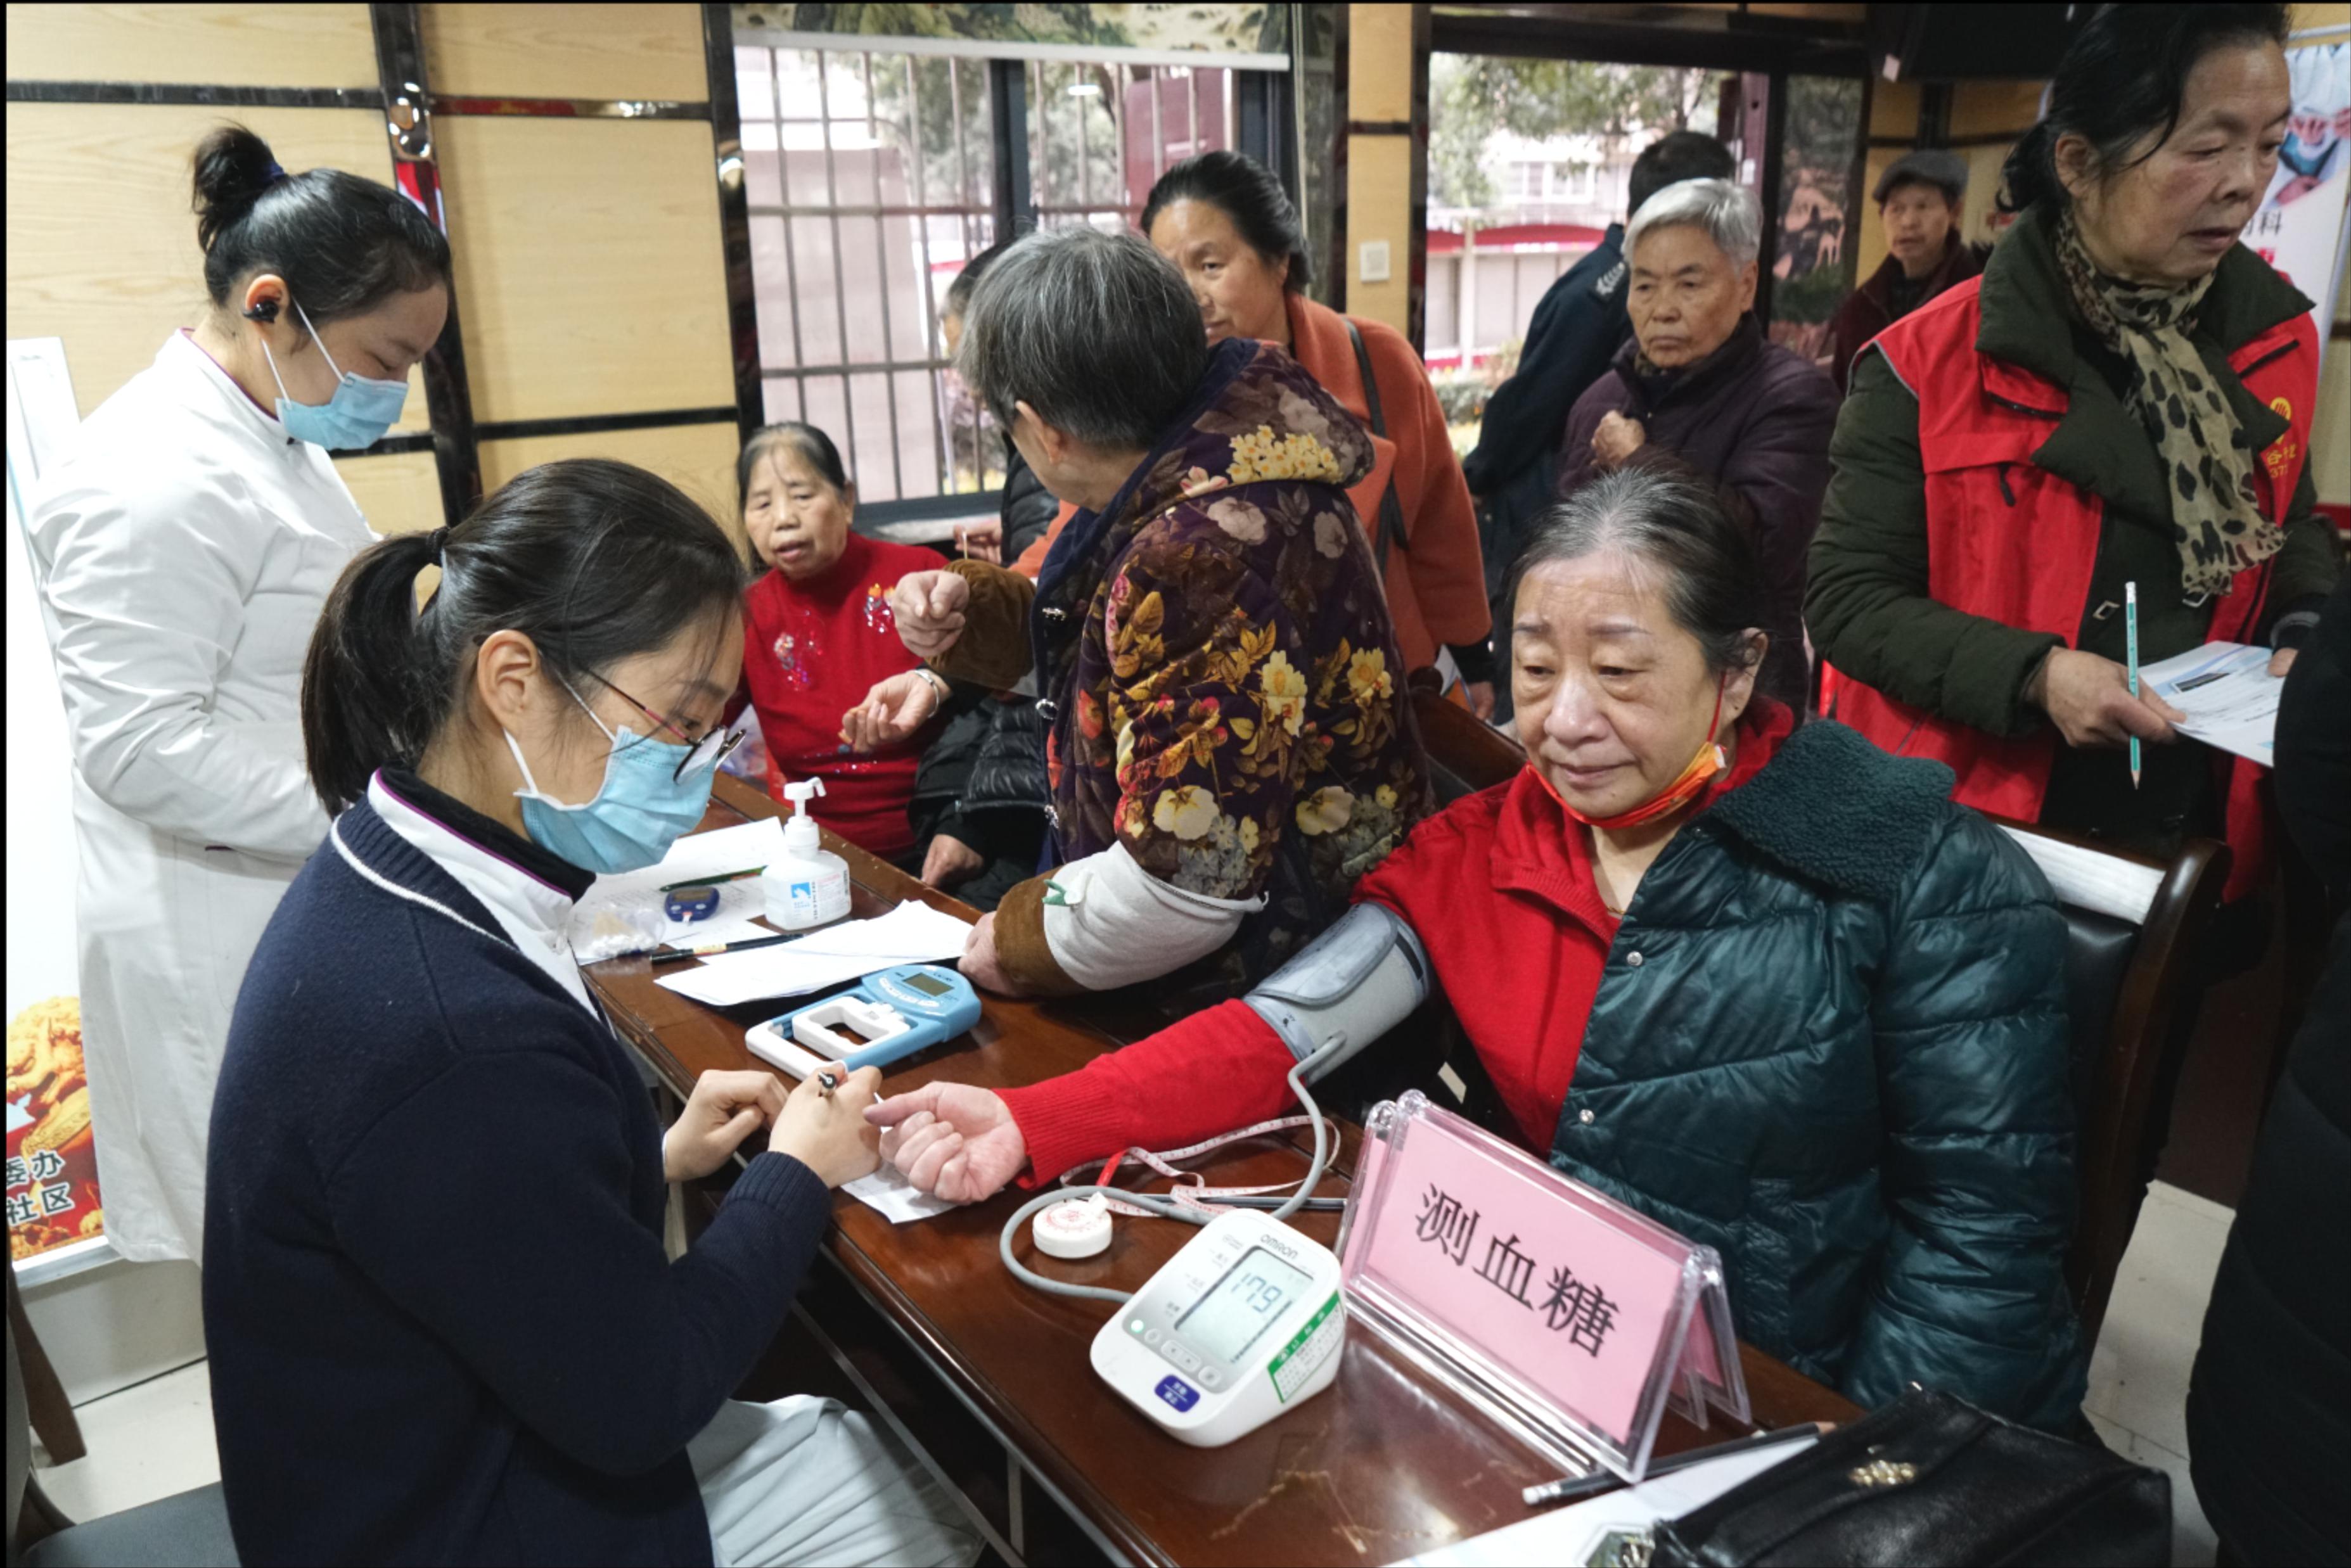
(233, 167)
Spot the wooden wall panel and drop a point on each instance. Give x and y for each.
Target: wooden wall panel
(102, 246)
(699, 459)
(1379, 64)
(1995, 107)
(567, 51)
(240, 45)
(1379, 207)
(1893, 109)
(589, 266)
(398, 492)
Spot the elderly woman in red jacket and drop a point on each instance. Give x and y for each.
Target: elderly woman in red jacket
(1772, 989)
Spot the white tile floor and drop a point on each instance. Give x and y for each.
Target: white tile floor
(156, 1438)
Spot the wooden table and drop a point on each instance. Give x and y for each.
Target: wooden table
(991, 1381)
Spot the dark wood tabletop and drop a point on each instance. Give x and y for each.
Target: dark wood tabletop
(1385, 1464)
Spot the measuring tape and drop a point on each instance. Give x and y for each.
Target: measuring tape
(1191, 1190)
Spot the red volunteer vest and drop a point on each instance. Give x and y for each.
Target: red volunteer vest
(2014, 543)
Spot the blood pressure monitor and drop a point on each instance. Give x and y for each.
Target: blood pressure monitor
(890, 1014)
(1242, 1323)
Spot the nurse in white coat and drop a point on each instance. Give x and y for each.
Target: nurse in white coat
(184, 549)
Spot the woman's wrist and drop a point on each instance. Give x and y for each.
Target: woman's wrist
(935, 681)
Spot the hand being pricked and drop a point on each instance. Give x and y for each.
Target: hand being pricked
(952, 1140)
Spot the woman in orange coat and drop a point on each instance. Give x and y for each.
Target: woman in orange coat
(1228, 227)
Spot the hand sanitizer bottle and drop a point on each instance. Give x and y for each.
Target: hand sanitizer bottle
(811, 887)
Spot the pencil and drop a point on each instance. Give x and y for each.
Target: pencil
(712, 881)
(2130, 649)
(712, 949)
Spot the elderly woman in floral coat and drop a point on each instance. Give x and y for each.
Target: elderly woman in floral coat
(1231, 744)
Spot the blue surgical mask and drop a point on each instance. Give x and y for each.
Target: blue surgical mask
(648, 801)
(355, 418)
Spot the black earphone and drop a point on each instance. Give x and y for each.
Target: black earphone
(265, 310)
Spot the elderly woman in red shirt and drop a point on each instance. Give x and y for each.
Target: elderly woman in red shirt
(818, 635)
(1772, 989)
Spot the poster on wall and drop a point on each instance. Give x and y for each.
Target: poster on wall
(2299, 226)
(53, 1200)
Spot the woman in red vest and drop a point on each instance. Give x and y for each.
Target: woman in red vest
(2124, 397)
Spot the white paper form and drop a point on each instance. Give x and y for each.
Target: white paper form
(910, 934)
(2227, 693)
(714, 853)
(1583, 1532)
(892, 1197)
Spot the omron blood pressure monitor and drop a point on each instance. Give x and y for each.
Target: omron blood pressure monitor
(1242, 1323)
(888, 1015)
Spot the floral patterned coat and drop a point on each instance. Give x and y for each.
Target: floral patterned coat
(1225, 694)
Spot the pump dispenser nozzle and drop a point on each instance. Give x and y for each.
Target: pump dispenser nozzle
(799, 830)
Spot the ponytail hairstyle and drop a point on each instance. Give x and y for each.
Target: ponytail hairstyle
(2122, 81)
(343, 244)
(594, 561)
(813, 445)
(1247, 193)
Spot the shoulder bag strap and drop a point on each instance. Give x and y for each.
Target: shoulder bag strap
(1390, 529)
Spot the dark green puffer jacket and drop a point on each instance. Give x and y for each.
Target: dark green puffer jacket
(1831, 1042)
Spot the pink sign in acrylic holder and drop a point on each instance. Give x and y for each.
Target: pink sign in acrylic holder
(1572, 1319)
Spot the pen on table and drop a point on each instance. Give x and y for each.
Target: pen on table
(713, 881)
(1575, 1488)
(712, 949)
(2130, 649)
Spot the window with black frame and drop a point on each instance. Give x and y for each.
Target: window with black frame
(873, 177)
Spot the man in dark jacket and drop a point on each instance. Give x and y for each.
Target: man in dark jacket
(1700, 387)
(1577, 327)
(2269, 1437)
(1917, 201)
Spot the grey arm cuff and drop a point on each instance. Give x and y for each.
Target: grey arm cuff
(1349, 986)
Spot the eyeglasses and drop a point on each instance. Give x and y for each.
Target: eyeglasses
(706, 750)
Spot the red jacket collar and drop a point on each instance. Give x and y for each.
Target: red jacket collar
(1539, 851)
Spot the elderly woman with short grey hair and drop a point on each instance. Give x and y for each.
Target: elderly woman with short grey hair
(1698, 387)
(1231, 746)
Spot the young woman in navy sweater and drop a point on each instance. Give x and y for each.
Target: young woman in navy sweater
(442, 1321)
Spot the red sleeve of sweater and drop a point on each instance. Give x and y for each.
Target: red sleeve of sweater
(1211, 1073)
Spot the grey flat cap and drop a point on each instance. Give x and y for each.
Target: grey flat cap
(1931, 165)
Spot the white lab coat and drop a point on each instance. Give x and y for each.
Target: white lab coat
(183, 550)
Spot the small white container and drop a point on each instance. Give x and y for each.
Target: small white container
(809, 886)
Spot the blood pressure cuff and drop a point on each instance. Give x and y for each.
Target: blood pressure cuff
(1349, 985)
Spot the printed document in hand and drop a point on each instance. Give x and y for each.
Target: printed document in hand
(2227, 693)
(714, 853)
(1595, 1531)
(911, 934)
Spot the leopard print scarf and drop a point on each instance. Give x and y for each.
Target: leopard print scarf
(2216, 518)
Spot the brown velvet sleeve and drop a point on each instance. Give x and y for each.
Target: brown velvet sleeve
(993, 651)
(1025, 958)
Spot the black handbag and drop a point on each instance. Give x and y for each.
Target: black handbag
(1932, 1479)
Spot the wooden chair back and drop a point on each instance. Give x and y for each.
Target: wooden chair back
(2134, 925)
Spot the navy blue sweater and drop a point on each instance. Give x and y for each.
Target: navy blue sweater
(442, 1326)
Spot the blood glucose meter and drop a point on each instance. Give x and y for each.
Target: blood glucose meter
(1242, 1323)
(890, 1014)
